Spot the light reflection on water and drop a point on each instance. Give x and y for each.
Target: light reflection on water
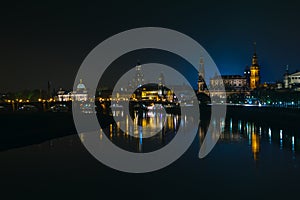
(243, 160)
(256, 135)
(163, 127)
(160, 126)
(232, 131)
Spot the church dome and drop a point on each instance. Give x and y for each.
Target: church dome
(81, 86)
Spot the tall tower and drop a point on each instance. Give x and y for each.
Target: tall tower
(286, 77)
(254, 71)
(161, 79)
(201, 76)
(138, 79)
(247, 75)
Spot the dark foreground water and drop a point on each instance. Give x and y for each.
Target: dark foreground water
(250, 161)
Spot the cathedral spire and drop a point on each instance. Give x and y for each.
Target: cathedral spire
(201, 71)
(254, 58)
(201, 76)
(254, 70)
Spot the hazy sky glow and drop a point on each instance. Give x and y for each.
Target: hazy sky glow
(48, 41)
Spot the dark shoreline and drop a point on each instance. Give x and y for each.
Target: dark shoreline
(280, 116)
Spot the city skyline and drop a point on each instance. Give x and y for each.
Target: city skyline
(49, 42)
(150, 99)
(106, 84)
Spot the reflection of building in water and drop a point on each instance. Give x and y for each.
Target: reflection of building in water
(156, 127)
(201, 134)
(233, 132)
(255, 145)
(80, 94)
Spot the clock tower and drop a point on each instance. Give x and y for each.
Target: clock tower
(254, 71)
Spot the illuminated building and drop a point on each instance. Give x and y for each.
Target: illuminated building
(138, 79)
(291, 80)
(230, 82)
(153, 92)
(238, 83)
(80, 94)
(254, 71)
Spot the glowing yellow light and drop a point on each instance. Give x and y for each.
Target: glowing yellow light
(27, 100)
(255, 145)
(40, 100)
(20, 100)
(110, 128)
(144, 122)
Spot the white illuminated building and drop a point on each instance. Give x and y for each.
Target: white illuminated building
(80, 94)
(292, 80)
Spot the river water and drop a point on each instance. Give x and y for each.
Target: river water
(250, 160)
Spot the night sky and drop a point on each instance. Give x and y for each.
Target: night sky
(48, 41)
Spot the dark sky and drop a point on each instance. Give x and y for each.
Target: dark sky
(48, 41)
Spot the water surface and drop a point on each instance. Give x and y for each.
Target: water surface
(251, 160)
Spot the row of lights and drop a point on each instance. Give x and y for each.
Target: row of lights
(27, 100)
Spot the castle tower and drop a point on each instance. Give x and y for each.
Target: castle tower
(201, 76)
(254, 71)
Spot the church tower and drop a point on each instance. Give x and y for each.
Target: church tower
(247, 76)
(201, 76)
(286, 80)
(138, 79)
(254, 71)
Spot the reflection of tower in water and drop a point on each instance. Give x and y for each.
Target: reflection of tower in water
(232, 132)
(255, 145)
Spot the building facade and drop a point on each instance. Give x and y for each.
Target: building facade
(250, 80)
(80, 94)
(291, 80)
(230, 82)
